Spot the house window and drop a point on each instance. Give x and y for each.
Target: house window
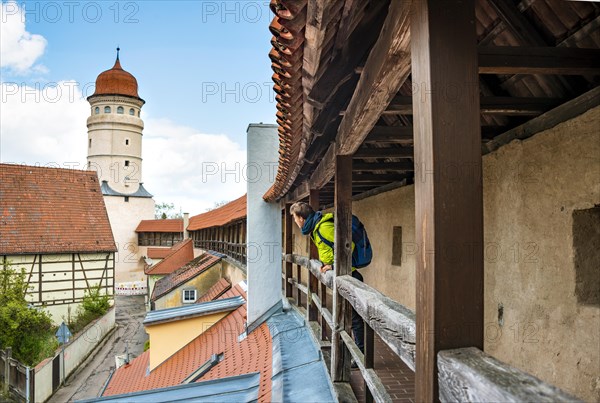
(126, 163)
(120, 110)
(126, 142)
(97, 110)
(126, 199)
(107, 109)
(397, 246)
(132, 111)
(189, 296)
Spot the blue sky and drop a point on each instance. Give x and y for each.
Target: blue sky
(202, 67)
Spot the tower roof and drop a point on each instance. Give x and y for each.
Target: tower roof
(116, 81)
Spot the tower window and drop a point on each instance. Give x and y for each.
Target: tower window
(126, 142)
(120, 110)
(138, 114)
(126, 199)
(107, 109)
(90, 143)
(126, 163)
(96, 110)
(132, 112)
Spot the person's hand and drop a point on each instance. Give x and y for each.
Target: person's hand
(325, 268)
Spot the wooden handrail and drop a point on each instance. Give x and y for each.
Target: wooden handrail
(392, 321)
(314, 266)
(469, 374)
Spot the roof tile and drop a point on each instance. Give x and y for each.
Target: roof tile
(230, 212)
(52, 210)
(180, 254)
(215, 291)
(165, 225)
(253, 354)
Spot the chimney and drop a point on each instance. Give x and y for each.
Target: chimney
(186, 222)
(263, 226)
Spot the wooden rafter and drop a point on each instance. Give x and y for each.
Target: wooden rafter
(386, 68)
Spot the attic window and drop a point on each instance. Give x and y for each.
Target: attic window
(189, 296)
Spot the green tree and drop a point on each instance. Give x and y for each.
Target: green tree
(166, 210)
(28, 330)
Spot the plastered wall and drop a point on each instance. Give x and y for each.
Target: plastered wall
(532, 316)
(201, 283)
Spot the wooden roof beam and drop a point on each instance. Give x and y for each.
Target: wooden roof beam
(538, 60)
(403, 105)
(386, 68)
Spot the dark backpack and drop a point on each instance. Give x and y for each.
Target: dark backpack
(362, 253)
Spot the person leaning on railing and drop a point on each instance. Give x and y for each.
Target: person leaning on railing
(318, 225)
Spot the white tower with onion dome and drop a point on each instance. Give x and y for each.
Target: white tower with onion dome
(115, 152)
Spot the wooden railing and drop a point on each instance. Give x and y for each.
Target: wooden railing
(236, 251)
(466, 374)
(469, 374)
(391, 321)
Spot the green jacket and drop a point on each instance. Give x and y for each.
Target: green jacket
(326, 228)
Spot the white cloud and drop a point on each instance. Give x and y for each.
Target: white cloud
(47, 126)
(43, 125)
(191, 169)
(19, 49)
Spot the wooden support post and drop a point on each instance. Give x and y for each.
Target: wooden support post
(448, 184)
(288, 250)
(312, 284)
(369, 357)
(299, 279)
(340, 356)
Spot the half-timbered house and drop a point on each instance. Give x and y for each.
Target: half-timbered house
(54, 225)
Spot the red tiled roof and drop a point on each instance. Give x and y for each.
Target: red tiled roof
(286, 56)
(253, 354)
(116, 81)
(52, 210)
(183, 274)
(158, 253)
(230, 212)
(215, 291)
(166, 225)
(181, 253)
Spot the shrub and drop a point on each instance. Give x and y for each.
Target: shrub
(26, 329)
(94, 305)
